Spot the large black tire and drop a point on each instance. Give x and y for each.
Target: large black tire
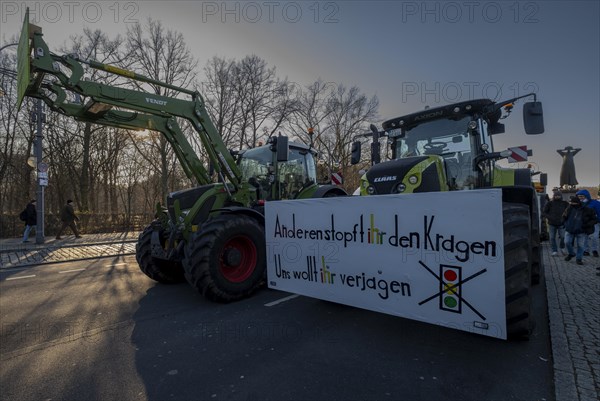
(517, 269)
(226, 259)
(163, 271)
(537, 268)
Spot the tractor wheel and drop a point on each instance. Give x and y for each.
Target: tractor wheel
(158, 270)
(517, 269)
(226, 259)
(537, 267)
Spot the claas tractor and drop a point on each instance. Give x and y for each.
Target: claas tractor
(450, 148)
(211, 235)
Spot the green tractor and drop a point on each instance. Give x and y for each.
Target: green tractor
(450, 148)
(220, 245)
(211, 235)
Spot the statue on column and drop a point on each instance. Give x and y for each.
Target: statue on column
(567, 170)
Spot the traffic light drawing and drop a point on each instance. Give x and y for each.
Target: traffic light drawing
(450, 293)
(450, 288)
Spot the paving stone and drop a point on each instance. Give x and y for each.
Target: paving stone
(564, 384)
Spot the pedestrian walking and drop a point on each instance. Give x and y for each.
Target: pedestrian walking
(69, 219)
(579, 223)
(553, 212)
(591, 242)
(29, 216)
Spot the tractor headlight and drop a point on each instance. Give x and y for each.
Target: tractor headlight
(371, 190)
(485, 147)
(413, 179)
(472, 125)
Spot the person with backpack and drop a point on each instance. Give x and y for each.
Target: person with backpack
(579, 223)
(553, 211)
(29, 216)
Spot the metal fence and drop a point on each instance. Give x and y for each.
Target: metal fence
(89, 223)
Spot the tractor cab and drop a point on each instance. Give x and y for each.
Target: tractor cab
(447, 148)
(279, 172)
(444, 141)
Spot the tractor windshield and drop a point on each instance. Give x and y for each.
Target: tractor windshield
(297, 172)
(436, 137)
(448, 138)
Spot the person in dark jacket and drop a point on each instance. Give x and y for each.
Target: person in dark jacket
(579, 223)
(553, 212)
(591, 242)
(68, 218)
(30, 219)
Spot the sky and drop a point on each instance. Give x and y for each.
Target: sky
(410, 54)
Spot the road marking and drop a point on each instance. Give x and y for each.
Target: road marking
(282, 300)
(13, 269)
(116, 264)
(70, 271)
(18, 278)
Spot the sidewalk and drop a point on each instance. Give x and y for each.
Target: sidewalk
(14, 253)
(573, 294)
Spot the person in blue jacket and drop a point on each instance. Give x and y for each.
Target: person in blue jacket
(591, 242)
(579, 224)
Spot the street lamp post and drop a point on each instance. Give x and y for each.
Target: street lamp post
(39, 136)
(39, 116)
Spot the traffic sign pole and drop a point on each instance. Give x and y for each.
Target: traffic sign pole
(39, 228)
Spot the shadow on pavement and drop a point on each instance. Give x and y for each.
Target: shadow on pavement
(189, 348)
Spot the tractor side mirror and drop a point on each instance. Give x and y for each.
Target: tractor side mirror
(375, 145)
(282, 148)
(533, 118)
(544, 179)
(355, 153)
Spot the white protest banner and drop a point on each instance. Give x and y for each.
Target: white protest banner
(436, 258)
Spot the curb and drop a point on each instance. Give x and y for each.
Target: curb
(43, 255)
(33, 247)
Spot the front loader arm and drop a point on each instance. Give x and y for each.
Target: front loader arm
(167, 126)
(164, 109)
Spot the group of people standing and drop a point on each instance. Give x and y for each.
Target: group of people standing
(575, 224)
(67, 217)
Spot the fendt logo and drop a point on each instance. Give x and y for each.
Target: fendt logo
(154, 101)
(385, 179)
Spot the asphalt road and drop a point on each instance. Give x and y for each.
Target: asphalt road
(100, 329)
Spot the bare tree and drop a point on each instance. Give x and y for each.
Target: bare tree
(257, 86)
(95, 45)
(310, 110)
(17, 135)
(284, 104)
(222, 98)
(348, 113)
(163, 56)
(131, 174)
